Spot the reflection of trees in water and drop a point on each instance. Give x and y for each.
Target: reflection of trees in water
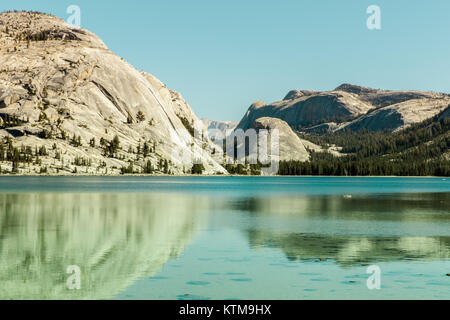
(397, 207)
(114, 239)
(312, 244)
(348, 251)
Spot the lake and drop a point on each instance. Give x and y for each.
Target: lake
(195, 238)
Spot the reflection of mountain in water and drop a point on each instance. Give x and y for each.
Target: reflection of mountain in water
(353, 250)
(339, 228)
(396, 207)
(114, 239)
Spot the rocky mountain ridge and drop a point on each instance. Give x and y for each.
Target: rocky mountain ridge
(71, 105)
(349, 106)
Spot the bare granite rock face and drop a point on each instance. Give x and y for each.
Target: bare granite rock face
(308, 110)
(350, 106)
(290, 146)
(66, 91)
(400, 115)
(383, 98)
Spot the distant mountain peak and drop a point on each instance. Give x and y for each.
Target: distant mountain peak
(352, 88)
(257, 104)
(296, 94)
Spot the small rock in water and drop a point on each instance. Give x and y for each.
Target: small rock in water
(448, 274)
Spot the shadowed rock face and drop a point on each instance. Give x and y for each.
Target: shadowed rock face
(383, 119)
(309, 110)
(350, 106)
(58, 78)
(445, 114)
(399, 116)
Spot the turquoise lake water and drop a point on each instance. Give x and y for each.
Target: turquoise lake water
(224, 237)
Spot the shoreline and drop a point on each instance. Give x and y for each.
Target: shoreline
(203, 176)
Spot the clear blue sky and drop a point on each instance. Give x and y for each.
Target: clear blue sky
(222, 55)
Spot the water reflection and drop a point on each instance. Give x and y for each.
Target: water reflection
(114, 239)
(117, 239)
(350, 251)
(395, 207)
(350, 231)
